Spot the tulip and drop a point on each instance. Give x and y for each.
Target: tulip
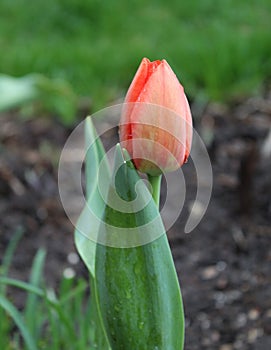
(156, 122)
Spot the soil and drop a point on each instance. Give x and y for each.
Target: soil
(223, 265)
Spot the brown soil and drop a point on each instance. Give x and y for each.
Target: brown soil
(223, 265)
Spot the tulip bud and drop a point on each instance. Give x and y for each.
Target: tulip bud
(156, 122)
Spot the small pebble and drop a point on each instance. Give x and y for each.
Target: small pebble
(222, 283)
(240, 320)
(233, 295)
(205, 324)
(226, 347)
(69, 273)
(220, 299)
(73, 258)
(254, 334)
(215, 336)
(204, 320)
(253, 314)
(221, 266)
(209, 272)
(238, 344)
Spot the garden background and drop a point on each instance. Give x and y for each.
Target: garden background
(61, 60)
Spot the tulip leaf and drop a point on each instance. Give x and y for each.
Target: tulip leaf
(88, 224)
(137, 285)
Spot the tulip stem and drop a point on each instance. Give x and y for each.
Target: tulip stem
(155, 182)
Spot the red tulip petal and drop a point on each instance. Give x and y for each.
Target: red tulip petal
(162, 88)
(158, 125)
(143, 73)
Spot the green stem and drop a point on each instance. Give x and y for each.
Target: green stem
(155, 182)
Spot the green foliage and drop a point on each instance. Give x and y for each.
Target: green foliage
(137, 286)
(217, 48)
(138, 303)
(49, 320)
(87, 226)
(36, 93)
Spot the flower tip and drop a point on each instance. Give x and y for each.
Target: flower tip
(145, 59)
(126, 155)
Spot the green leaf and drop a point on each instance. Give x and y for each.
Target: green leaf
(137, 286)
(23, 285)
(32, 301)
(95, 153)
(16, 91)
(88, 224)
(9, 254)
(16, 316)
(53, 95)
(87, 227)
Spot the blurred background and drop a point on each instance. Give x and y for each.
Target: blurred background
(63, 59)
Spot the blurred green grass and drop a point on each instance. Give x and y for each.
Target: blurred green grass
(218, 49)
(62, 319)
